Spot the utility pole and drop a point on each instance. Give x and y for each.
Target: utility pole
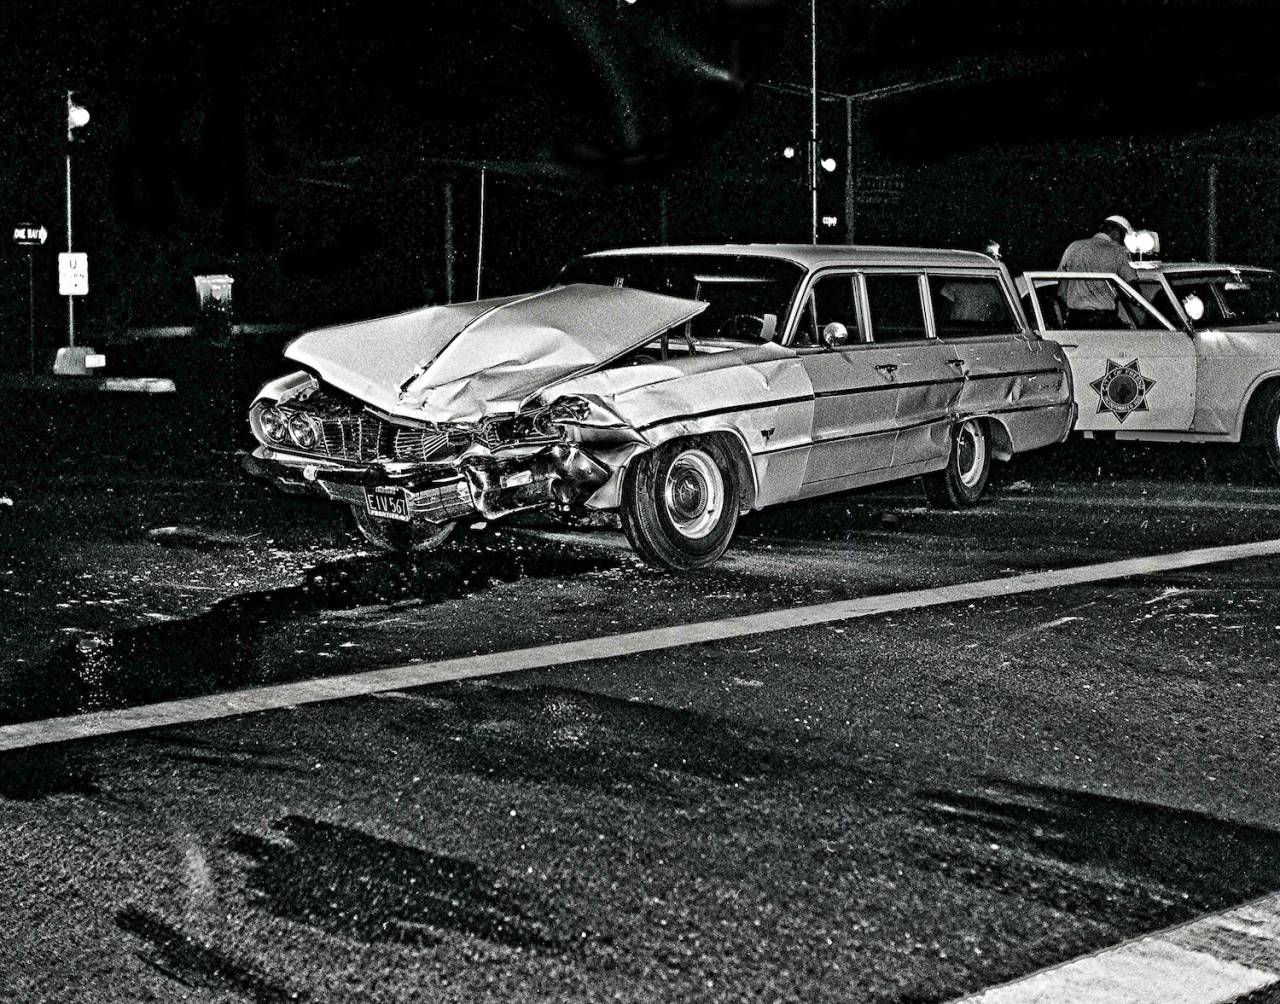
(850, 178)
(448, 242)
(1213, 211)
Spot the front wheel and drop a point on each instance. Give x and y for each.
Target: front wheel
(400, 537)
(680, 503)
(1262, 436)
(961, 483)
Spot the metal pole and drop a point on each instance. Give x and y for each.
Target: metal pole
(480, 239)
(448, 242)
(71, 300)
(813, 118)
(664, 218)
(1213, 210)
(850, 206)
(31, 308)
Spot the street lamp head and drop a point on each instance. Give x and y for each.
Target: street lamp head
(77, 116)
(789, 152)
(828, 164)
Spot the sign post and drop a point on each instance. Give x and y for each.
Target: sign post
(73, 271)
(30, 236)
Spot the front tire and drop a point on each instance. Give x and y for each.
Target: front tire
(680, 503)
(1262, 438)
(398, 537)
(961, 483)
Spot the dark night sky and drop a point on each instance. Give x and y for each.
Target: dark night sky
(220, 127)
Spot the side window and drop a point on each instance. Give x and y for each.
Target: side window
(1134, 312)
(1097, 304)
(1158, 298)
(897, 313)
(831, 300)
(970, 305)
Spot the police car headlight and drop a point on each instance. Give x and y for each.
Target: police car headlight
(304, 431)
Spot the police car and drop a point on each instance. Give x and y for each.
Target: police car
(1193, 355)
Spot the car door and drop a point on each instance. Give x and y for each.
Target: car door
(929, 374)
(1137, 374)
(855, 386)
(1005, 369)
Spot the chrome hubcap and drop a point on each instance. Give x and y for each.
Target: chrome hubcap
(693, 494)
(971, 453)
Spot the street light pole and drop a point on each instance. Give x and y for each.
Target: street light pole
(480, 237)
(71, 300)
(813, 119)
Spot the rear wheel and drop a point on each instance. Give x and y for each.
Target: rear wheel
(680, 503)
(1262, 436)
(398, 536)
(962, 482)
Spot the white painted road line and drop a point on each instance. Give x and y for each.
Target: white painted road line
(1210, 960)
(333, 688)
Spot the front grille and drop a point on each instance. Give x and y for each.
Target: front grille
(360, 436)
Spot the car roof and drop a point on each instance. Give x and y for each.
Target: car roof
(815, 255)
(1168, 267)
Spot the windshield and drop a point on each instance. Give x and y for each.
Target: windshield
(748, 297)
(1230, 296)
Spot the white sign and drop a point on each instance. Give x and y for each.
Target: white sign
(73, 273)
(29, 233)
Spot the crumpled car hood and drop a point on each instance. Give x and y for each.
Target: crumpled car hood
(460, 362)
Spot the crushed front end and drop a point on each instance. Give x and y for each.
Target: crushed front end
(389, 469)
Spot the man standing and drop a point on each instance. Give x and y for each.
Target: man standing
(1091, 303)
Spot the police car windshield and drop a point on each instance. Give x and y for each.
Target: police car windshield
(1231, 297)
(743, 291)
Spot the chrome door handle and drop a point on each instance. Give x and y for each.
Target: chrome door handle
(956, 362)
(887, 368)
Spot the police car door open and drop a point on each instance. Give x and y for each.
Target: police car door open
(1133, 370)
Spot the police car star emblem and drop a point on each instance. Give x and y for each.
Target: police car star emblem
(1122, 389)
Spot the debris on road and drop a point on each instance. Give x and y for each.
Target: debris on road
(198, 537)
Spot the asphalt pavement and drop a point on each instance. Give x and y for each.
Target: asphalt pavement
(906, 807)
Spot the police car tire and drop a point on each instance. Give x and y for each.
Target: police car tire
(952, 488)
(1264, 431)
(647, 517)
(398, 537)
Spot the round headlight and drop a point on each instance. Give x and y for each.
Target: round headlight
(304, 431)
(273, 424)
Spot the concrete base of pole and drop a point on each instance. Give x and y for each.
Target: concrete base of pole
(77, 360)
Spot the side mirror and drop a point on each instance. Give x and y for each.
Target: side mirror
(835, 335)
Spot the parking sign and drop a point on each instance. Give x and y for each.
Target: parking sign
(73, 273)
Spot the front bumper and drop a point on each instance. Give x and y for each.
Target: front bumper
(558, 476)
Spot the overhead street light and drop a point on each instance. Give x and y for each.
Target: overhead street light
(828, 164)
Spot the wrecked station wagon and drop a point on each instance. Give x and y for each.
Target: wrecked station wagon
(678, 386)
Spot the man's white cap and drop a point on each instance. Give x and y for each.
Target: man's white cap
(1120, 220)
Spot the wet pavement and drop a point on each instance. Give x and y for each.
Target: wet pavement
(899, 808)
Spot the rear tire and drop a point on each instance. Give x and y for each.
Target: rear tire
(680, 503)
(1262, 434)
(398, 537)
(961, 483)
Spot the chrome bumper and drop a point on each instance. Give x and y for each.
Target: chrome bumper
(558, 476)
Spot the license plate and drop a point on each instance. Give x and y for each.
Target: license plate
(387, 503)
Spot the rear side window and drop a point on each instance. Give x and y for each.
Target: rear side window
(897, 312)
(970, 305)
